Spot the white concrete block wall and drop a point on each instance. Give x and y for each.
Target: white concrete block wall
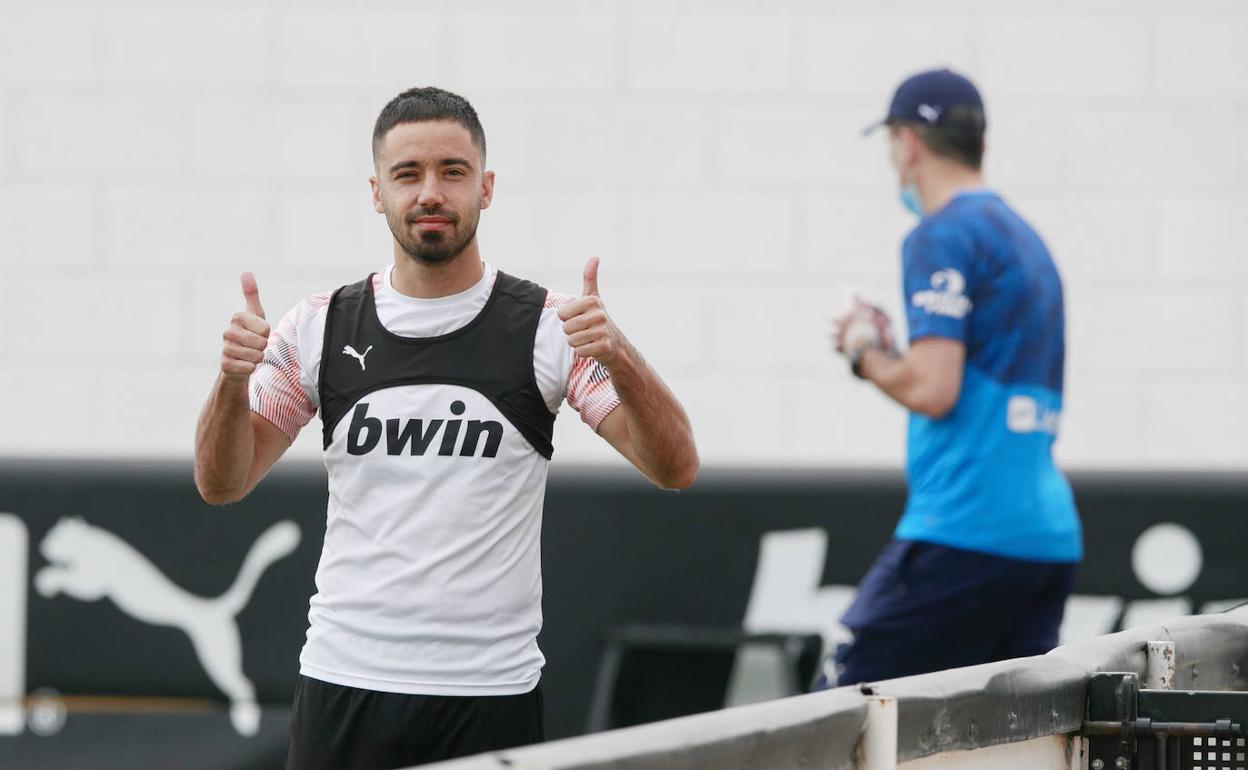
(708, 151)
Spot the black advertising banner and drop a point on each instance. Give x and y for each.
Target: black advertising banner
(138, 620)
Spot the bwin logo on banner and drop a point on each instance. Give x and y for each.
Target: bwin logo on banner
(788, 595)
(88, 563)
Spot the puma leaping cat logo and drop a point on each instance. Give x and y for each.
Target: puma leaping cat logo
(350, 351)
(89, 563)
(929, 113)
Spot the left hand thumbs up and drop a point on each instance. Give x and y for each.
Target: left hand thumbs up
(590, 331)
(589, 282)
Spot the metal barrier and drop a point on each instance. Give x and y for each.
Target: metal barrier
(1022, 714)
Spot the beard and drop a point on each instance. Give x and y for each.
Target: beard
(433, 247)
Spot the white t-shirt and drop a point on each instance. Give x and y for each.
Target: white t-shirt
(429, 580)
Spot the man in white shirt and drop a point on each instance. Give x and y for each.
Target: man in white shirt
(437, 380)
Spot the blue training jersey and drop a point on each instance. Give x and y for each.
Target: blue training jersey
(983, 478)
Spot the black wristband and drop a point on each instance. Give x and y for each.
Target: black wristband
(855, 365)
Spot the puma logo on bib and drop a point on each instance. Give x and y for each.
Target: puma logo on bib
(350, 351)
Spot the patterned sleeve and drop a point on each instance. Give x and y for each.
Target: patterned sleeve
(277, 390)
(590, 391)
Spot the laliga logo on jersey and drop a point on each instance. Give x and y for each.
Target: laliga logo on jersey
(946, 297)
(416, 436)
(1023, 414)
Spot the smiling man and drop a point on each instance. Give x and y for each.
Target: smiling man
(437, 380)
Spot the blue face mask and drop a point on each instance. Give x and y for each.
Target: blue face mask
(910, 199)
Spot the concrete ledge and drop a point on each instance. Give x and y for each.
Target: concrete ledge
(819, 730)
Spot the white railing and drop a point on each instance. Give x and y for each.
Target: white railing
(1021, 714)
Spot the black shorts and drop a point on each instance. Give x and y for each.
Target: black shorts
(346, 728)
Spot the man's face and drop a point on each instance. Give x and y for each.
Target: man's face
(903, 146)
(896, 153)
(432, 186)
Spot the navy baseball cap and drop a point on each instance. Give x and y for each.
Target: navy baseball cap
(928, 98)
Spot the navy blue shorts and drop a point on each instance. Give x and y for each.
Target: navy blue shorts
(924, 607)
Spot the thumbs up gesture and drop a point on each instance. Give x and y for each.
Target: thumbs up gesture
(247, 335)
(590, 331)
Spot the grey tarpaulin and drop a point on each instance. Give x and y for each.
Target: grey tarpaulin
(954, 710)
(819, 730)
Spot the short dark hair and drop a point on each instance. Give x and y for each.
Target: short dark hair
(959, 136)
(416, 105)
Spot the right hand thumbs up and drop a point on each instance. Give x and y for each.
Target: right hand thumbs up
(251, 293)
(247, 335)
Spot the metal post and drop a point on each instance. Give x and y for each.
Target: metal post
(878, 748)
(1112, 700)
(1161, 752)
(1159, 674)
(600, 715)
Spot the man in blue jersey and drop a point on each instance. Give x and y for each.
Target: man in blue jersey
(981, 563)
